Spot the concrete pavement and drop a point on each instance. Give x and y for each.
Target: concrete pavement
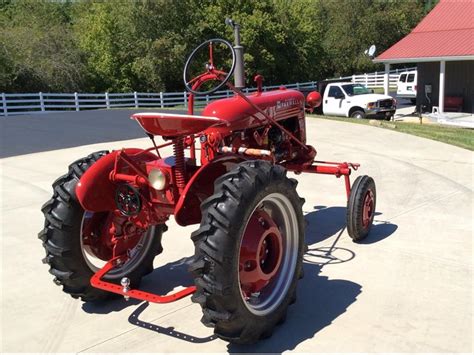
(408, 288)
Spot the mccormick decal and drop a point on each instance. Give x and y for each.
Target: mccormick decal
(287, 103)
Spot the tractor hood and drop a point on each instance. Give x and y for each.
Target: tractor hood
(280, 104)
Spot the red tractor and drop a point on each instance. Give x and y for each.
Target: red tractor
(106, 218)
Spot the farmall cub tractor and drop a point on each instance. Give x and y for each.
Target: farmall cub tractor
(106, 218)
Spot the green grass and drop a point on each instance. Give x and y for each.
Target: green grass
(460, 137)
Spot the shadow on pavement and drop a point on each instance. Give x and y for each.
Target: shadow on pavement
(320, 302)
(169, 331)
(25, 134)
(324, 222)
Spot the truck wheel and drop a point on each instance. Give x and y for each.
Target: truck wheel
(361, 208)
(358, 114)
(72, 257)
(249, 251)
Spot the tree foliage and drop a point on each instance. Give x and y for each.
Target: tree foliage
(142, 45)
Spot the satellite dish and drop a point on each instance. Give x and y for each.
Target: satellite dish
(372, 50)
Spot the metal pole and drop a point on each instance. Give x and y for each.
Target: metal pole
(107, 100)
(161, 100)
(184, 100)
(385, 78)
(442, 70)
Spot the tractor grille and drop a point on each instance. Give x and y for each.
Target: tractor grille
(386, 103)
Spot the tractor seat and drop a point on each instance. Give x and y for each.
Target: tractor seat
(173, 125)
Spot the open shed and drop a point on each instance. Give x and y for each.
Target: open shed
(442, 45)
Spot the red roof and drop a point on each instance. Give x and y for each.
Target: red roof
(447, 31)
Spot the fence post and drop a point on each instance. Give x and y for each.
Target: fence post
(207, 99)
(135, 98)
(227, 93)
(184, 99)
(76, 101)
(107, 100)
(366, 79)
(162, 104)
(353, 78)
(4, 104)
(41, 101)
(298, 86)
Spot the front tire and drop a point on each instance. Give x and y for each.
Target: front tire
(358, 114)
(361, 208)
(249, 251)
(70, 261)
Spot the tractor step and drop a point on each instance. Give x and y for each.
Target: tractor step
(97, 282)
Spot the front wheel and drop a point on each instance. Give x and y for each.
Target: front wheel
(249, 251)
(361, 208)
(358, 114)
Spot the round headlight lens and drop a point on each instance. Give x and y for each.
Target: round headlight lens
(157, 179)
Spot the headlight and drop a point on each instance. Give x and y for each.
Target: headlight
(371, 105)
(157, 179)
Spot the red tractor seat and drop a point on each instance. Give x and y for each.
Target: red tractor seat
(172, 124)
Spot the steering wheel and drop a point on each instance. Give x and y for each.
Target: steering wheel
(211, 72)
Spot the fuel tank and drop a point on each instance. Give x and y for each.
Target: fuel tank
(279, 104)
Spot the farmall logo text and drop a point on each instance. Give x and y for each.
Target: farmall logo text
(287, 103)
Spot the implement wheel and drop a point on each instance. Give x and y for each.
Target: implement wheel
(361, 208)
(249, 251)
(76, 240)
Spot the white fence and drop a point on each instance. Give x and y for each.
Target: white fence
(376, 80)
(20, 104)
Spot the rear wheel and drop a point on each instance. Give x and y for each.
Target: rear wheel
(361, 208)
(76, 241)
(249, 251)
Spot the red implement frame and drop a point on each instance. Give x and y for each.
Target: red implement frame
(97, 282)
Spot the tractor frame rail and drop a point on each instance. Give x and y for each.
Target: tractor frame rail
(327, 168)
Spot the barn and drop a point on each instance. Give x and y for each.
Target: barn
(442, 46)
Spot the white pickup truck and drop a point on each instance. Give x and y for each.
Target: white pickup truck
(354, 100)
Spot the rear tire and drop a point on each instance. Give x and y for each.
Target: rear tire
(61, 238)
(361, 208)
(237, 315)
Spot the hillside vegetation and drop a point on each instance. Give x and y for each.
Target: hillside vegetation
(65, 46)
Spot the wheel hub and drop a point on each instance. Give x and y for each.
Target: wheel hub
(260, 253)
(368, 210)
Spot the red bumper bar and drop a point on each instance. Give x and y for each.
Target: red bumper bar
(96, 281)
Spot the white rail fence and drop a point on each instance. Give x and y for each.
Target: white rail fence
(20, 104)
(376, 80)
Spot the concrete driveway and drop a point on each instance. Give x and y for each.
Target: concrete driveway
(408, 288)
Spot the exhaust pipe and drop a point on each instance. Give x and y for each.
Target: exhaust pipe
(239, 73)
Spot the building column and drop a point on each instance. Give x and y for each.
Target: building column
(386, 78)
(442, 69)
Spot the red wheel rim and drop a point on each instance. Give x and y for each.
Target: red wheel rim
(260, 253)
(368, 209)
(268, 254)
(97, 241)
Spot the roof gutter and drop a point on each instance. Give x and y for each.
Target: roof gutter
(424, 59)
